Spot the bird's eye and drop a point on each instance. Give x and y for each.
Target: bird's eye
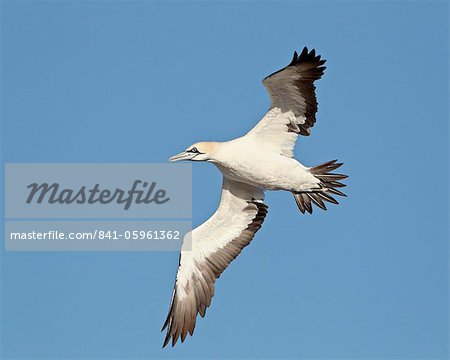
(193, 150)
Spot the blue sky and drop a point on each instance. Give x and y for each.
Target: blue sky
(139, 81)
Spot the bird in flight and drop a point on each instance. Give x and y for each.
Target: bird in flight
(260, 160)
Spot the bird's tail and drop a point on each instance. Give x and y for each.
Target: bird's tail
(327, 186)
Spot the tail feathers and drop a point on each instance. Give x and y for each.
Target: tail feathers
(328, 184)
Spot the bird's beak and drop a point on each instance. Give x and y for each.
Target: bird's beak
(182, 156)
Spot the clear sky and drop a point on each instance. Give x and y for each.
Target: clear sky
(139, 81)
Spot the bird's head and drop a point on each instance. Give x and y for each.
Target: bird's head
(201, 151)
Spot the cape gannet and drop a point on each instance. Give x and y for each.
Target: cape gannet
(260, 160)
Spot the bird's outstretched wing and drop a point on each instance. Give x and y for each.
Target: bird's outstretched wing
(293, 102)
(207, 251)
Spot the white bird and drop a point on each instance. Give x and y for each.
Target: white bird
(260, 160)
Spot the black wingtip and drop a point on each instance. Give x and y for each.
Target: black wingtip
(305, 56)
(165, 323)
(166, 340)
(294, 58)
(308, 56)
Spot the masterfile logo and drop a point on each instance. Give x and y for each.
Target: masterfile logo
(157, 191)
(141, 192)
